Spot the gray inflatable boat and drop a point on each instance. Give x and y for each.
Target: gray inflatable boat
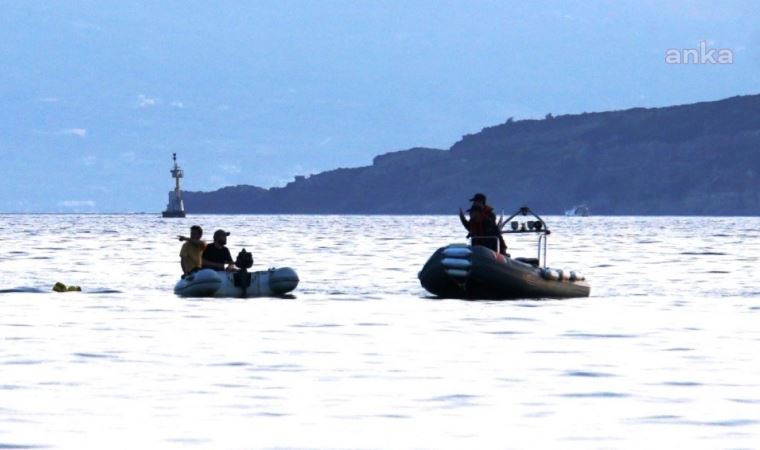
(213, 283)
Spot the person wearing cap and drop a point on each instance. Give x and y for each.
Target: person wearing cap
(482, 225)
(217, 256)
(480, 199)
(190, 254)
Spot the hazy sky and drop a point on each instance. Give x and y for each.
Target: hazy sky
(96, 95)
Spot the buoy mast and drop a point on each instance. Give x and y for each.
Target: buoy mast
(177, 173)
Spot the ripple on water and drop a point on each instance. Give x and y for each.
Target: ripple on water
(680, 383)
(587, 374)
(23, 362)
(555, 352)
(580, 335)
(602, 394)
(23, 290)
(267, 414)
(664, 418)
(5, 446)
(679, 420)
(707, 253)
(392, 416)
(103, 291)
(231, 364)
(94, 355)
(454, 400)
(750, 401)
(278, 368)
(317, 325)
(188, 440)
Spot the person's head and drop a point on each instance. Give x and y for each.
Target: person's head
(479, 199)
(196, 232)
(220, 237)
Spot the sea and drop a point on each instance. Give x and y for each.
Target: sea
(663, 354)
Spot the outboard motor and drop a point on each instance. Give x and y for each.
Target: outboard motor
(242, 278)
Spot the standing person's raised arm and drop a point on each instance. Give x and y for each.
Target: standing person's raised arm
(463, 219)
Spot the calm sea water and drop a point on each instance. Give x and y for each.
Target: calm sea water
(663, 354)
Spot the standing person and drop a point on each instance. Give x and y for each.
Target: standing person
(482, 223)
(192, 249)
(217, 256)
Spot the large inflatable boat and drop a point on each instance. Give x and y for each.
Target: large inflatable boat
(213, 283)
(477, 272)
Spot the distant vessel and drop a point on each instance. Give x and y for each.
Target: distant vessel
(580, 211)
(175, 207)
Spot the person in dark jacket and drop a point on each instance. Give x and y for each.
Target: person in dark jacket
(217, 256)
(480, 199)
(482, 225)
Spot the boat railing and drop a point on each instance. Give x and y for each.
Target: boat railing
(537, 226)
(541, 251)
(542, 238)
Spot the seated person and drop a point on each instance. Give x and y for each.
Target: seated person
(192, 249)
(217, 256)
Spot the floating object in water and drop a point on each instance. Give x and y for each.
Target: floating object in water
(60, 287)
(216, 283)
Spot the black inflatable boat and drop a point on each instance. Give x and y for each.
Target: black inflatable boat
(477, 272)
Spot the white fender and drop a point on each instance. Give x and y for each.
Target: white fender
(456, 263)
(457, 252)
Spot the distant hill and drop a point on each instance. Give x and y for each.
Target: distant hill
(702, 158)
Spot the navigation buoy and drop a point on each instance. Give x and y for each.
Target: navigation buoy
(175, 207)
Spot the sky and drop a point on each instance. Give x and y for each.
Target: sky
(95, 96)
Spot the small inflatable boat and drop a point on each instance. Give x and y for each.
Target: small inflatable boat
(478, 272)
(213, 283)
